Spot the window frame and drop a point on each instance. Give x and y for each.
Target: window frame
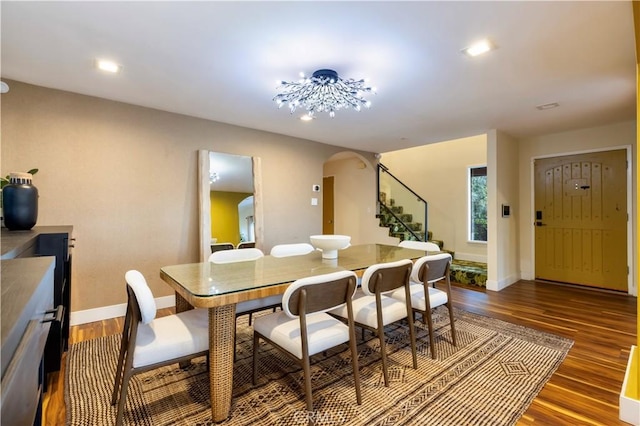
(470, 227)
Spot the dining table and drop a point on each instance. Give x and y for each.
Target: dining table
(218, 287)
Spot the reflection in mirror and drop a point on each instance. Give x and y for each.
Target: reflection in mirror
(229, 200)
(231, 194)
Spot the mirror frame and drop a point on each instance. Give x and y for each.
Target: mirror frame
(204, 201)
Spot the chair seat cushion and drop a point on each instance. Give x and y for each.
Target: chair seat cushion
(258, 304)
(437, 297)
(364, 309)
(171, 337)
(323, 330)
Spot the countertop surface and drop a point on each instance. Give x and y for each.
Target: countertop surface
(14, 242)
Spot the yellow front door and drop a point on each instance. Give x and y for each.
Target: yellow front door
(581, 219)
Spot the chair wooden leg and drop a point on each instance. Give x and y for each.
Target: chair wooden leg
(356, 370)
(306, 365)
(432, 340)
(256, 343)
(123, 398)
(124, 344)
(235, 333)
(118, 378)
(412, 337)
(452, 322)
(250, 317)
(383, 352)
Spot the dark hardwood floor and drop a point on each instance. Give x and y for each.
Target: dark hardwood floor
(583, 391)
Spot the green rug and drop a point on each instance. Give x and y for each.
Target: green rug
(490, 378)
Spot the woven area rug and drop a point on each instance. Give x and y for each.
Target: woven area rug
(490, 378)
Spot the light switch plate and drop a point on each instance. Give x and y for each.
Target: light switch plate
(314, 201)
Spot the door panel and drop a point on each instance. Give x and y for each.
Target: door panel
(581, 219)
(327, 205)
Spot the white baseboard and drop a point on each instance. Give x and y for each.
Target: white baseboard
(471, 257)
(526, 275)
(494, 285)
(113, 311)
(629, 407)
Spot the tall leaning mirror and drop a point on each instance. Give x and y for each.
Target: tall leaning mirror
(230, 198)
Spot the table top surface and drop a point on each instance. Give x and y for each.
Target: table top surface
(207, 280)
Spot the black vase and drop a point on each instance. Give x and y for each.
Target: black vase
(20, 204)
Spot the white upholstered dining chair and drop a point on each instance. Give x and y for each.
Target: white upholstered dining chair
(149, 342)
(374, 309)
(426, 272)
(235, 255)
(221, 246)
(420, 245)
(246, 244)
(295, 249)
(246, 255)
(303, 328)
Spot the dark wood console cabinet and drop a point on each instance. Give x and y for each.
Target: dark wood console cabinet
(53, 241)
(27, 315)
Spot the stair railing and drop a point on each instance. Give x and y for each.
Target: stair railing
(392, 192)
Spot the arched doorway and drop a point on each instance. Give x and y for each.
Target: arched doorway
(354, 199)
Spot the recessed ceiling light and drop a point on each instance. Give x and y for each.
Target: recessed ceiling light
(548, 106)
(108, 66)
(306, 117)
(478, 48)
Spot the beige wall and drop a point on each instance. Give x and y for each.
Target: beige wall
(502, 189)
(614, 136)
(125, 178)
(438, 173)
(355, 200)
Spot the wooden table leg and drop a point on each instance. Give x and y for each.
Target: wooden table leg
(221, 349)
(182, 304)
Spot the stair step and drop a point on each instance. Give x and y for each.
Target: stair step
(468, 272)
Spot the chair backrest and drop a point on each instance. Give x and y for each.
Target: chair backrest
(144, 297)
(431, 268)
(247, 244)
(285, 250)
(420, 245)
(384, 277)
(319, 293)
(232, 256)
(221, 246)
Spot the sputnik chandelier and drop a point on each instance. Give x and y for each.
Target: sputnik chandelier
(324, 91)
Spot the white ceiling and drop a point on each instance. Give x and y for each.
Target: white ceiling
(221, 61)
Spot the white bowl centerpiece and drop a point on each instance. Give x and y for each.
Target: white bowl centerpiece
(330, 244)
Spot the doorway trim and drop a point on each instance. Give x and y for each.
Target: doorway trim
(631, 287)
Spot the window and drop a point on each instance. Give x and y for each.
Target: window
(478, 203)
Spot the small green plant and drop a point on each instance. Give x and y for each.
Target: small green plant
(5, 180)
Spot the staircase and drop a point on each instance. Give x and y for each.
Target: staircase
(405, 225)
(401, 225)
